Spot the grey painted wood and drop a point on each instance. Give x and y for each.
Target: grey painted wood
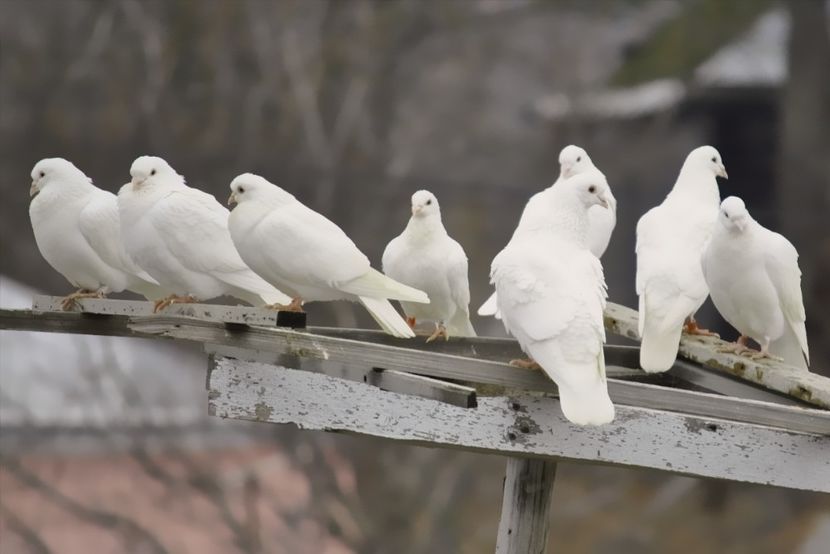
(524, 424)
(425, 387)
(725, 373)
(301, 349)
(525, 509)
(391, 380)
(622, 392)
(809, 387)
(210, 312)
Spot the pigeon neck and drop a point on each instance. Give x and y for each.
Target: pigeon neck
(420, 228)
(68, 191)
(566, 217)
(696, 184)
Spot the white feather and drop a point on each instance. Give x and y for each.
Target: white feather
(305, 254)
(755, 283)
(425, 257)
(551, 296)
(601, 221)
(670, 240)
(180, 236)
(77, 230)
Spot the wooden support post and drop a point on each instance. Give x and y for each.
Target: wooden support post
(525, 508)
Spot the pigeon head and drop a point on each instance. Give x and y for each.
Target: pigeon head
(590, 188)
(573, 160)
(424, 204)
(733, 214)
(706, 158)
(50, 172)
(249, 187)
(152, 170)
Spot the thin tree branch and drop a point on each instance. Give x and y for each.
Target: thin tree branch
(132, 531)
(29, 536)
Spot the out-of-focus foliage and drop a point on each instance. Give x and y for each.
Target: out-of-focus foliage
(696, 32)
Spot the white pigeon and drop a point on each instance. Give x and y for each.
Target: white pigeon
(755, 284)
(573, 160)
(551, 296)
(425, 257)
(77, 230)
(308, 256)
(180, 236)
(670, 241)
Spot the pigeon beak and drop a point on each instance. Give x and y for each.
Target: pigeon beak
(722, 172)
(232, 200)
(136, 182)
(603, 201)
(33, 190)
(417, 209)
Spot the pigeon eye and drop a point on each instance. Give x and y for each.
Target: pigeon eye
(42, 174)
(429, 202)
(592, 189)
(153, 172)
(241, 190)
(579, 158)
(714, 159)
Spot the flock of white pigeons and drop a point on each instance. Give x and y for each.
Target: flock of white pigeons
(175, 244)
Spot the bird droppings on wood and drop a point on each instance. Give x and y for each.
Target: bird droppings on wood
(527, 426)
(696, 425)
(801, 392)
(262, 411)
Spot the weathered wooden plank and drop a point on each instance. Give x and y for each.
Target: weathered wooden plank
(295, 346)
(425, 387)
(525, 424)
(484, 348)
(620, 358)
(807, 386)
(622, 392)
(391, 380)
(246, 315)
(525, 509)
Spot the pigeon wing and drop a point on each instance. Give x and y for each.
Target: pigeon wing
(781, 262)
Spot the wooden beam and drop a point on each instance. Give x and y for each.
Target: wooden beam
(246, 315)
(622, 392)
(524, 424)
(390, 380)
(804, 385)
(288, 347)
(425, 387)
(724, 373)
(525, 509)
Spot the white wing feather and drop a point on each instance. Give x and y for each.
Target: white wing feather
(556, 313)
(781, 262)
(194, 226)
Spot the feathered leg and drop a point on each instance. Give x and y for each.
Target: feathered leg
(525, 363)
(691, 328)
(296, 305)
(764, 353)
(440, 331)
(68, 302)
(173, 299)
(737, 347)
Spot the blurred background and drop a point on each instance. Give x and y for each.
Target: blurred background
(353, 105)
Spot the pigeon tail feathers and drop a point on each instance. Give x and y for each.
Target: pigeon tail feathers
(387, 317)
